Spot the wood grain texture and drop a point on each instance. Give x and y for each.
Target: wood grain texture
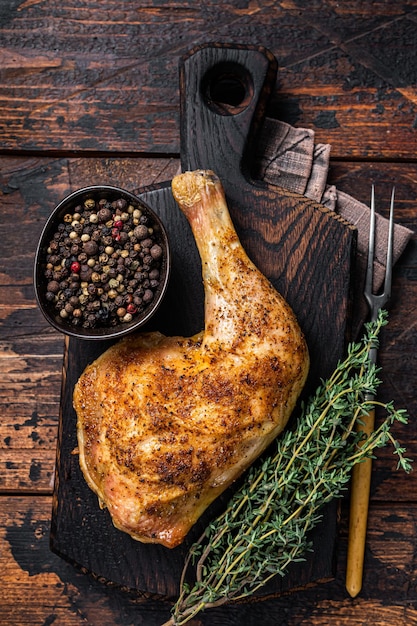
(89, 91)
(39, 588)
(52, 591)
(283, 233)
(84, 535)
(32, 352)
(398, 347)
(99, 77)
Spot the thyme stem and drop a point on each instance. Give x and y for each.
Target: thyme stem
(267, 522)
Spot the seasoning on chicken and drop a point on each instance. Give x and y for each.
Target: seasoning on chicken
(166, 424)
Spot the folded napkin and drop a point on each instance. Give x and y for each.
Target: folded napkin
(288, 157)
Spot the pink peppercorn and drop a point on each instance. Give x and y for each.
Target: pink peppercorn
(75, 267)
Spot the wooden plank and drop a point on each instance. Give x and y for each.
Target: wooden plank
(29, 396)
(31, 352)
(39, 588)
(376, 98)
(65, 72)
(88, 77)
(128, 173)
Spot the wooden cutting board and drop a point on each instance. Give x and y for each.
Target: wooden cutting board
(304, 249)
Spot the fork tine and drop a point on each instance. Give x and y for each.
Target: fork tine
(371, 250)
(390, 247)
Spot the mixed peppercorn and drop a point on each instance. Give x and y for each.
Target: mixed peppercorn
(103, 263)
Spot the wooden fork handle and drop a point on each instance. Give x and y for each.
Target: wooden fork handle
(358, 518)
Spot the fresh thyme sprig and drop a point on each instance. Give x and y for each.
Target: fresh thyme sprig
(267, 522)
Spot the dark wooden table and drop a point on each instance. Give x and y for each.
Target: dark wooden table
(88, 93)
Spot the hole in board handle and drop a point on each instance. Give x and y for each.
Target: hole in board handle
(227, 88)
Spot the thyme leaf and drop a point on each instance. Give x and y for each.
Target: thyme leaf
(266, 524)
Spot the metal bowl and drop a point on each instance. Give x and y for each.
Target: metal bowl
(67, 207)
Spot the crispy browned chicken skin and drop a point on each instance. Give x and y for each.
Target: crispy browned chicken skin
(165, 424)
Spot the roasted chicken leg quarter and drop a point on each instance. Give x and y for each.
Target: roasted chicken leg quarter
(165, 424)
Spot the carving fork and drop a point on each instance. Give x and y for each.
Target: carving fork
(361, 473)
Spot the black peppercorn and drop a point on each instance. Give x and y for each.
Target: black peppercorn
(121, 203)
(156, 251)
(148, 296)
(53, 286)
(154, 274)
(140, 232)
(147, 260)
(90, 247)
(104, 214)
(85, 273)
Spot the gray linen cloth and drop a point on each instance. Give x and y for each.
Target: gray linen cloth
(288, 157)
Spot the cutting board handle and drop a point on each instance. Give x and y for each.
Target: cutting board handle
(304, 249)
(224, 90)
